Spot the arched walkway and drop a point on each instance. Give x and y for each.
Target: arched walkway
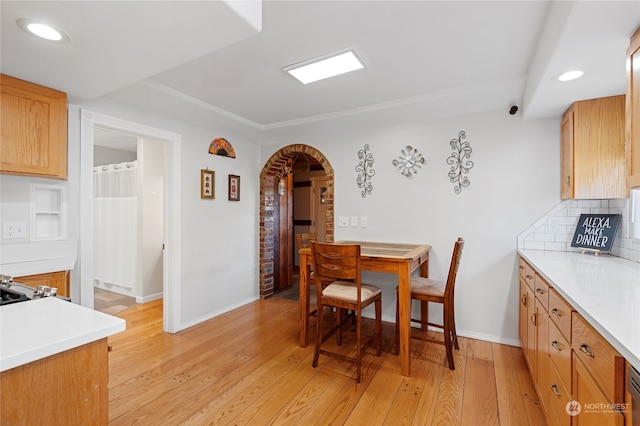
(269, 227)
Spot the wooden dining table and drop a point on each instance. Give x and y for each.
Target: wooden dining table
(391, 258)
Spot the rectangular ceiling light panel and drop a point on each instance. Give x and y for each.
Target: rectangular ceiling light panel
(325, 66)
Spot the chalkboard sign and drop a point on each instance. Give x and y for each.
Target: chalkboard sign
(596, 231)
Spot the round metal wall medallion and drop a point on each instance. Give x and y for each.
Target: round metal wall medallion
(409, 161)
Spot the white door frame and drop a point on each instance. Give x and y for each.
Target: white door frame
(172, 237)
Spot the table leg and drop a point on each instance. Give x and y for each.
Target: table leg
(424, 306)
(404, 303)
(304, 300)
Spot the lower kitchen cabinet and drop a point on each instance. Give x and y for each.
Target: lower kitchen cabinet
(68, 388)
(568, 359)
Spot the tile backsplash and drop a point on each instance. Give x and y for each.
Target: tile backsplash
(554, 231)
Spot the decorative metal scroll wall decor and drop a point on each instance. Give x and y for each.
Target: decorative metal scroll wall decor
(365, 171)
(460, 163)
(409, 161)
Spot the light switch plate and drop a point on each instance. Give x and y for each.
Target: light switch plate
(354, 220)
(364, 222)
(343, 221)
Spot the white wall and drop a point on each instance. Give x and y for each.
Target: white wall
(152, 170)
(514, 181)
(219, 237)
(103, 156)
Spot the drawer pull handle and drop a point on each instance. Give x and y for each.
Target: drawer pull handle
(556, 345)
(529, 277)
(587, 350)
(556, 311)
(539, 290)
(555, 390)
(523, 299)
(521, 267)
(533, 319)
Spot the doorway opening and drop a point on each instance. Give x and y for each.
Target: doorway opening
(171, 184)
(128, 180)
(277, 225)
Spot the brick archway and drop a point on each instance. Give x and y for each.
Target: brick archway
(268, 228)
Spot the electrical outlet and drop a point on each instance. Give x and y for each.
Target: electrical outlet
(14, 230)
(363, 222)
(343, 221)
(354, 220)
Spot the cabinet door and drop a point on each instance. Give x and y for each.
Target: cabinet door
(566, 134)
(530, 348)
(633, 111)
(594, 408)
(593, 149)
(522, 317)
(542, 354)
(34, 129)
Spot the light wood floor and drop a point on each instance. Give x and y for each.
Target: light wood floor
(246, 368)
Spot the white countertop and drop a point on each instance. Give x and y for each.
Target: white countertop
(39, 328)
(604, 289)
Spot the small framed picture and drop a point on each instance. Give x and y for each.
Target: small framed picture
(207, 184)
(234, 188)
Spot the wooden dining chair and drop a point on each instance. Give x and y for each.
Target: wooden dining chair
(304, 240)
(427, 290)
(338, 285)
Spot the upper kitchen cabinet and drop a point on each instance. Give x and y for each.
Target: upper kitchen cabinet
(34, 129)
(633, 110)
(593, 151)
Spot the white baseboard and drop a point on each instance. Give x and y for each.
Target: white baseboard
(150, 298)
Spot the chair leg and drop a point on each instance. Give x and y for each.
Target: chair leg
(319, 320)
(358, 348)
(397, 335)
(339, 323)
(379, 327)
(448, 339)
(453, 328)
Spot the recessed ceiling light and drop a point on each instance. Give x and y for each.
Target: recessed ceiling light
(570, 75)
(42, 30)
(325, 66)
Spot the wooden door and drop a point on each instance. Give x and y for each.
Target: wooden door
(282, 274)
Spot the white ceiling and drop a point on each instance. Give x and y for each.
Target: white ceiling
(203, 63)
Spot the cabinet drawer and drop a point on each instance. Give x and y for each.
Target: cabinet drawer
(560, 313)
(558, 398)
(541, 289)
(601, 360)
(527, 273)
(560, 353)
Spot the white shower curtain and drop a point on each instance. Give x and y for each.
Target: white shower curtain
(115, 212)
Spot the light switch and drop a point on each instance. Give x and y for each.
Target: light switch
(354, 220)
(343, 221)
(363, 222)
